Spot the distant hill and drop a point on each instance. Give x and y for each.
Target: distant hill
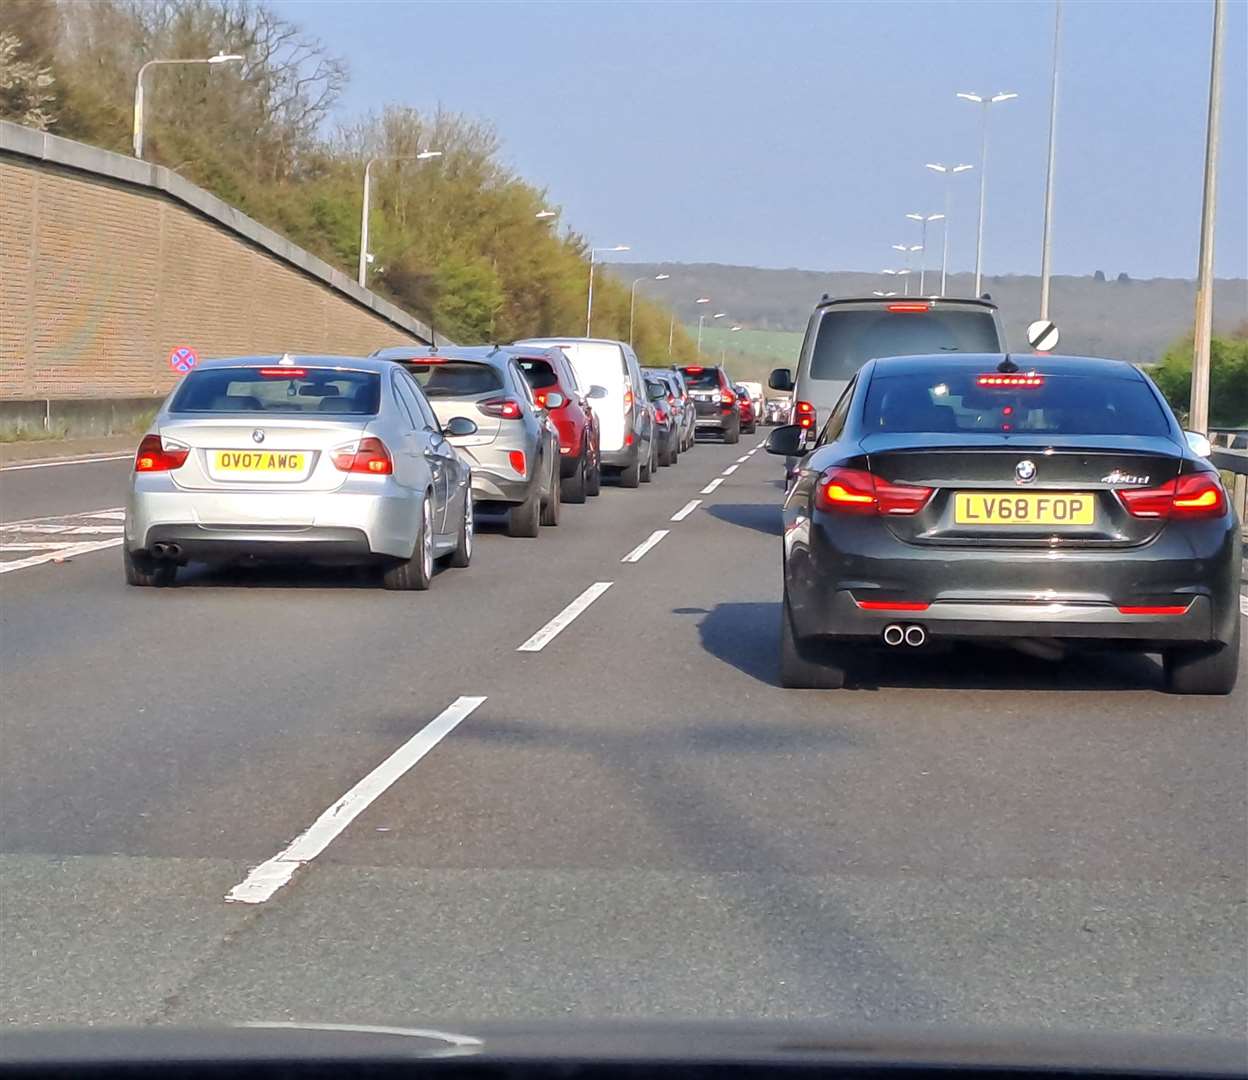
(1133, 320)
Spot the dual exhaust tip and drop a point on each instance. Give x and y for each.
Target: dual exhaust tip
(166, 551)
(913, 635)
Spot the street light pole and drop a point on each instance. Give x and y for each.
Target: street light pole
(589, 305)
(632, 304)
(671, 326)
(1047, 242)
(984, 103)
(702, 322)
(424, 155)
(908, 250)
(923, 219)
(947, 171)
(220, 58)
(1198, 414)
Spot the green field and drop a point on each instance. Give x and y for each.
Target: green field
(749, 354)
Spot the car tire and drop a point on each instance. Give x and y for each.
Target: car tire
(631, 476)
(462, 555)
(593, 483)
(675, 455)
(414, 574)
(748, 431)
(524, 519)
(575, 488)
(145, 572)
(554, 501)
(732, 436)
(800, 668)
(647, 470)
(1205, 669)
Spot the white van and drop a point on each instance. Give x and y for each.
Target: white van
(626, 440)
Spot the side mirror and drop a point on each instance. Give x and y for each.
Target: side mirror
(597, 393)
(459, 426)
(1198, 444)
(786, 440)
(781, 378)
(554, 399)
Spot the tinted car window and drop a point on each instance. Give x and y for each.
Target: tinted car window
(701, 378)
(454, 378)
(313, 390)
(539, 373)
(1058, 405)
(848, 339)
(656, 390)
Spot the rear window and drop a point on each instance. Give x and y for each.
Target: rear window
(281, 390)
(701, 378)
(1057, 405)
(597, 363)
(847, 339)
(454, 378)
(656, 390)
(539, 373)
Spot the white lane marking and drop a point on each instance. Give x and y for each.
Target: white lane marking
(731, 469)
(70, 461)
(48, 546)
(116, 513)
(686, 510)
(712, 486)
(110, 515)
(1243, 604)
(560, 622)
(761, 445)
(67, 552)
(744, 457)
(264, 880)
(640, 550)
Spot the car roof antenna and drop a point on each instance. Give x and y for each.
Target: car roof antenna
(1007, 365)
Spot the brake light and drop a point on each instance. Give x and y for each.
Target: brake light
(504, 408)
(911, 307)
(363, 456)
(671, 399)
(1196, 495)
(516, 460)
(1029, 378)
(804, 414)
(1158, 609)
(726, 398)
(892, 605)
(694, 369)
(283, 372)
(628, 398)
(856, 491)
(160, 455)
(660, 415)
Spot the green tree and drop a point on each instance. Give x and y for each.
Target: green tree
(1228, 378)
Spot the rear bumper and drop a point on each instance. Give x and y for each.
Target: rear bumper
(494, 487)
(622, 458)
(717, 421)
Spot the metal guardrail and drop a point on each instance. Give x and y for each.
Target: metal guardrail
(1234, 461)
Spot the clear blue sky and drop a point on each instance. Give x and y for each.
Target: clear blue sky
(795, 134)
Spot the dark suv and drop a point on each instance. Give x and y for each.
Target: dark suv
(715, 400)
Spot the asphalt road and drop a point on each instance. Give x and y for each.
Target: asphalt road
(635, 822)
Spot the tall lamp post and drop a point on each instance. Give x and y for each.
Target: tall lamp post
(671, 326)
(424, 155)
(1046, 243)
(702, 322)
(908, 250)
(589, 305)
(922, 220)
(632, 300)
(983, 102)
(947, 171)
(220, 58)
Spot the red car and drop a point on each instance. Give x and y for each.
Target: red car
(553, 382)
(745, 407)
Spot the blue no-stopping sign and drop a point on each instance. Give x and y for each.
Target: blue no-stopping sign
(182, 359)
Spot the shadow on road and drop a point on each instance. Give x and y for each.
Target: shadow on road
(760, 517)
(747, 636)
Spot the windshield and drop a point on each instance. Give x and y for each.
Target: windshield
(847, 339)
(279, 390)
(454, 378)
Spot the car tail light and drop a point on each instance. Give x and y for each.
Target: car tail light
(804, 414)
(913, 307)
(156, 454)
(628, 398)
(283, 372)
(363, 456)
(1196, 495)
(671, 399)
(1029, 379)
(856, 491)
(694, 369)
(515, 459)
(660, 415)
(504, 408)
(1154, 609)
(727, 397)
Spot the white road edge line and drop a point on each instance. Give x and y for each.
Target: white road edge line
(686, 510)
(731, 469)
(264, 880)
(67, 552)
(640, 550)
(1243, 605)
(712, 486)
(563, 620)
(72, 461)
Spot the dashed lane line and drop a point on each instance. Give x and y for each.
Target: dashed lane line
(745, 457)
(638, 553)
(686, 510)
(712, 485)
(59, 554)
(564, 619)
(1243, 605)
(264, 880)
(731, 469)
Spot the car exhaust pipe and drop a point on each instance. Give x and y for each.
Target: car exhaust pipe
(894, 634)
(166, 551)
(915, 636)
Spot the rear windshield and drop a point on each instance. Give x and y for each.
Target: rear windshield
(656, 390)
(1059, 405)
(704, 379)
(539, 373)
(848, 339)
(597, 363)
(301, 390)
(454, 378)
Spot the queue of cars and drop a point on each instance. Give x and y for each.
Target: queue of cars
(384, 461)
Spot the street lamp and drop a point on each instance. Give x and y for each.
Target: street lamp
(878, 292)
(632, 300)
(907, 250)
(947, 171)
(424, 155)
(923, 245)
(546, 215)
(220, 58)
(984, 103)
(702, 322)
(671, 326)
(589, 306)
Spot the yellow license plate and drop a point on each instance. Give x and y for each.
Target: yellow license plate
(1023, 508)
(252, 461)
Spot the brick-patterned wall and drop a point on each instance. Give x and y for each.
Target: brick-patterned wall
(100, 280)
